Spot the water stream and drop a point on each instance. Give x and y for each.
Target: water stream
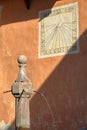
(49, 107)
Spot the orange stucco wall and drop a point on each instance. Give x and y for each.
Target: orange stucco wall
(62, 79)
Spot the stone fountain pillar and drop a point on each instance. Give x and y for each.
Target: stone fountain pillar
(22, 90)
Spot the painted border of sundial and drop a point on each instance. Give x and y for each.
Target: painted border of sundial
(59, 31)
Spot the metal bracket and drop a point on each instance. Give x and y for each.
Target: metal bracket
(27, 2)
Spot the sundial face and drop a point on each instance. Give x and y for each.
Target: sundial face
(58, 31)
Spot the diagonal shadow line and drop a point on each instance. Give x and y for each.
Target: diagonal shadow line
(16, 11)
(65, 90)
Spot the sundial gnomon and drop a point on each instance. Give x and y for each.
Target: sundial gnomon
(58, 31)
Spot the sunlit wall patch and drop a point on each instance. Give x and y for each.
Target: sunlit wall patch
(58, 31)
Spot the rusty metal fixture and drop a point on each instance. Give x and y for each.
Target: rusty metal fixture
(22, 90)
(27, 2)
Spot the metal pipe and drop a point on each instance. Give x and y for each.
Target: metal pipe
(22, 90)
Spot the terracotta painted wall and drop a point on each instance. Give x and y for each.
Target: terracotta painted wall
(62, 79)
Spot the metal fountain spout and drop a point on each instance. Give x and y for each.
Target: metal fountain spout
(22, 90)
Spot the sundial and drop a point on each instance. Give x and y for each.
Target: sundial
(58, 31)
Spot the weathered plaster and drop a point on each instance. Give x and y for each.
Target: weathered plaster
(58, 31)
(5, 126)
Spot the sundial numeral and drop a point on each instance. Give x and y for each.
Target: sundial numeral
(59, 30)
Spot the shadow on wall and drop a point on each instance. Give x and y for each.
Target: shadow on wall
(65, 88)
(66, 92)
(16, 11)
(5, 126)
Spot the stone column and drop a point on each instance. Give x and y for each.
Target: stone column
(22, 90)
